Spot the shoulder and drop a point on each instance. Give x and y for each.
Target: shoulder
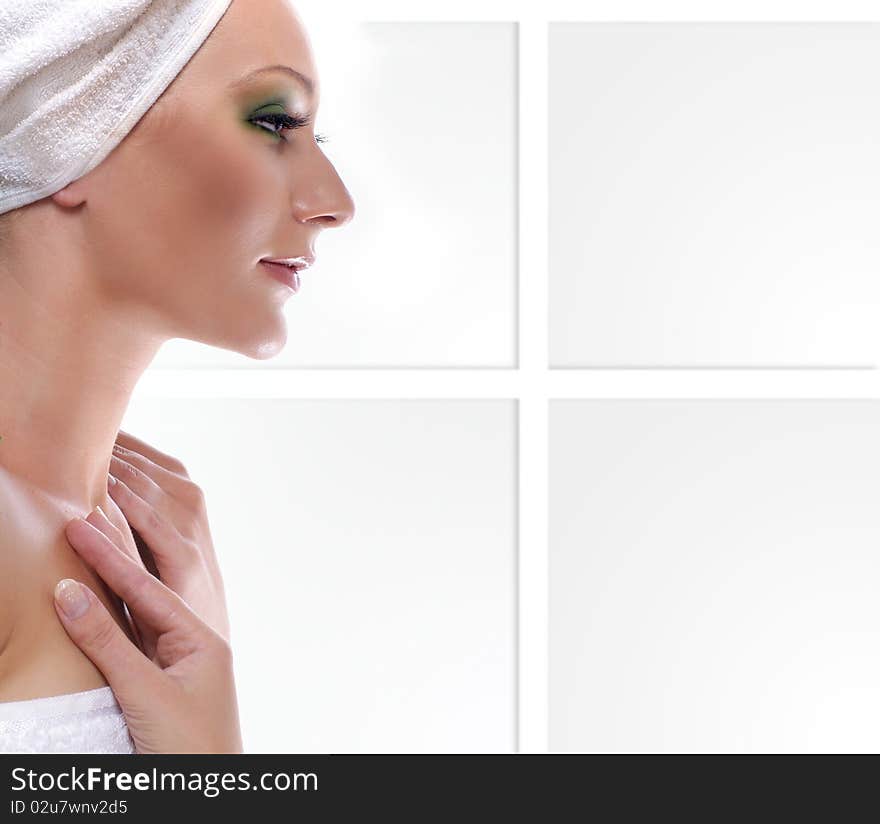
(9, 566)
(37, 657)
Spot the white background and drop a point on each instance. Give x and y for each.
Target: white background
(713, 192)
(530, 383)
(368, 551)
(714, 573)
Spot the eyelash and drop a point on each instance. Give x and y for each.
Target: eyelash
(285, 121)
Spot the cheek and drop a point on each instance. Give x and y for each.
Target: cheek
(218, 195)
(180, 219)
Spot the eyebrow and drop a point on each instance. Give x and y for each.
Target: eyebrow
(304, 79)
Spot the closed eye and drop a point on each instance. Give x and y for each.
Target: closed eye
(281, 122)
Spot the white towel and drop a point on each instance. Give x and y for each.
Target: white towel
(77, 75)
(80, 722)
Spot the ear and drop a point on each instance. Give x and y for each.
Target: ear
(71, 195)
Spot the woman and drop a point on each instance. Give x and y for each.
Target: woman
(165, 237)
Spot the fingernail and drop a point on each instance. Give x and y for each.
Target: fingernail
(103, 514)
(71, 597)
(111, 481)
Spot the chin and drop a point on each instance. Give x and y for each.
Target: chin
(258, 335)
(268, 345)
(266, 350)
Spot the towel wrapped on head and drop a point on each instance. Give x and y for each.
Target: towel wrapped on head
(77, 75)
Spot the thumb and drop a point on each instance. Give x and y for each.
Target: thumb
(92, 628)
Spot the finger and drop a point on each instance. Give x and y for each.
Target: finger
(94, 631)
(174, 496)
(160, 608)
(170, 550)
(130, 442)
(146, 554)
(151, 482)
(99, 520)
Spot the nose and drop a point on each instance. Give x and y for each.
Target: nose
(321, 197)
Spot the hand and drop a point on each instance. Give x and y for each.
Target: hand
(185, 702)
(169, 523)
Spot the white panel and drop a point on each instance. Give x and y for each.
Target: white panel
(421, 119)
(713, 194)
(368, 550)
(714, 575)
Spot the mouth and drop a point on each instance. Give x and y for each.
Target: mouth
(287, 270)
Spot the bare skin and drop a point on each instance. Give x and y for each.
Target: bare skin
(162, 240)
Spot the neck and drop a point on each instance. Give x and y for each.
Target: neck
(70, 356)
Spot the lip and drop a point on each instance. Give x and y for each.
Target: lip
(299, 262)
(288, 275)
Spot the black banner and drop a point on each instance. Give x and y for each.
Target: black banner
(346, 787)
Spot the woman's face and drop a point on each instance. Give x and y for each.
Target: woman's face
(179, 215)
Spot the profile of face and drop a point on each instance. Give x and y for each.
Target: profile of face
(177, 217)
